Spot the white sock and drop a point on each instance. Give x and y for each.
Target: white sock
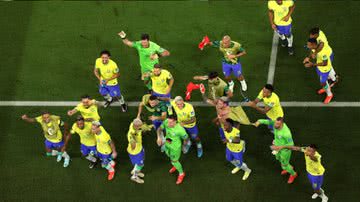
(243, 85)
(290, 40)
(108, 98)
(91, 158)
(199, 146)
(244, 167)
(66, 155)
(121, 100)
(231, 83)
(281, 36)
(54, 153)
(332, 75)
(328, 90)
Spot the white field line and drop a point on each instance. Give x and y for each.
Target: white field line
(273, 55)
(196, 104)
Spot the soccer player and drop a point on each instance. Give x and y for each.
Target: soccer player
(157, 108)
(271, 100)
(323, 66)
(186, 117)
(87, 139)
(107, 72)
(136, 150)
(161, 80)
(149, 53)
(314, 168)
(321, 39)
(235, 148)
(105, 148)
(55, 140)
(280, 12)
(88, 109)
(230, 62)
(216, 86)
(282, 137)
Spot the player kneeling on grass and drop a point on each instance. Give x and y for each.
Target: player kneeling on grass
(175, 133)
(107, 72)
(88, 109)
(282, 137)
(136, 150)
(235, 148)
(314, 168)
(55, 143)
(87, 139)
(105, 148)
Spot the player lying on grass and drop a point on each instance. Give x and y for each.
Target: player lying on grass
(149, 53)
(235, 148)
(55, 140)
(280, 12)
(231, 61)
(136, 150)
(282, 137)
(271, 100)
(323, 67)
(105, 148)
(321, 39)
(161, 81)
(314, 168)
(88, 109)
(185, 114)
(87, 139)
(175, 138)
(107, 72)
(157, 108)
(216, 87)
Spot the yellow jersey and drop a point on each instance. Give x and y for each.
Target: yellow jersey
(86, 137)
(234, 147)
(107, 71)
(51, 130)
(103, 142)
(89, 112)
(184, 114)
(314, 167)
(134, 136)
(274, 103)
(280, 11)
(322, 39)
(324, 55)
(160, 83)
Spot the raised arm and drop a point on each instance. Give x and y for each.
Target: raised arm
(201, 78)
(28, 119)
(126, 41)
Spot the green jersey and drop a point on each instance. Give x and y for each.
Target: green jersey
(282, 137)
(146, 63)
(234, 49)
(174, 135)
(217, 88)
(158, 109)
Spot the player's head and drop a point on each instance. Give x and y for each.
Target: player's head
(222, 102)
(137, 123)
(310, 150)
(179, 101)
(267, 90)
(157, 69)
(45, 115)
(314, 32)
(153, 100)
(213, 78)
(145, 38)
(105, 56)
(95, 127)
(312, 43)
(171, 120)
(279, 123)
(86, 100)
(279, 2)
(226, 41)
(228, 124)
(80, 121)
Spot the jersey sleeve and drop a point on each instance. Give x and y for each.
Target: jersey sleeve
(38, 119)
(78, 107)
(270, 5)
(288, 138)
(158, 49)
(97, 63)
(183, 134)
(266, 122)
(291, 3)
(169, 75)
(73, 130)
(115, 68)
(260, 95)
(192, 112)
(216, 44)
(136, 44)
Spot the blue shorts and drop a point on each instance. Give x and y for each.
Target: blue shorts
(157, 124)
(138, 159)
(192, 132)
(113, 91)
(105, 158)
(323, 76)
(161, 95)
(236, 69)
(316, 181)
(51, 145)
(85, 150)
(284, 30)
(271, 127)
(332, 57)
(237, 156)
